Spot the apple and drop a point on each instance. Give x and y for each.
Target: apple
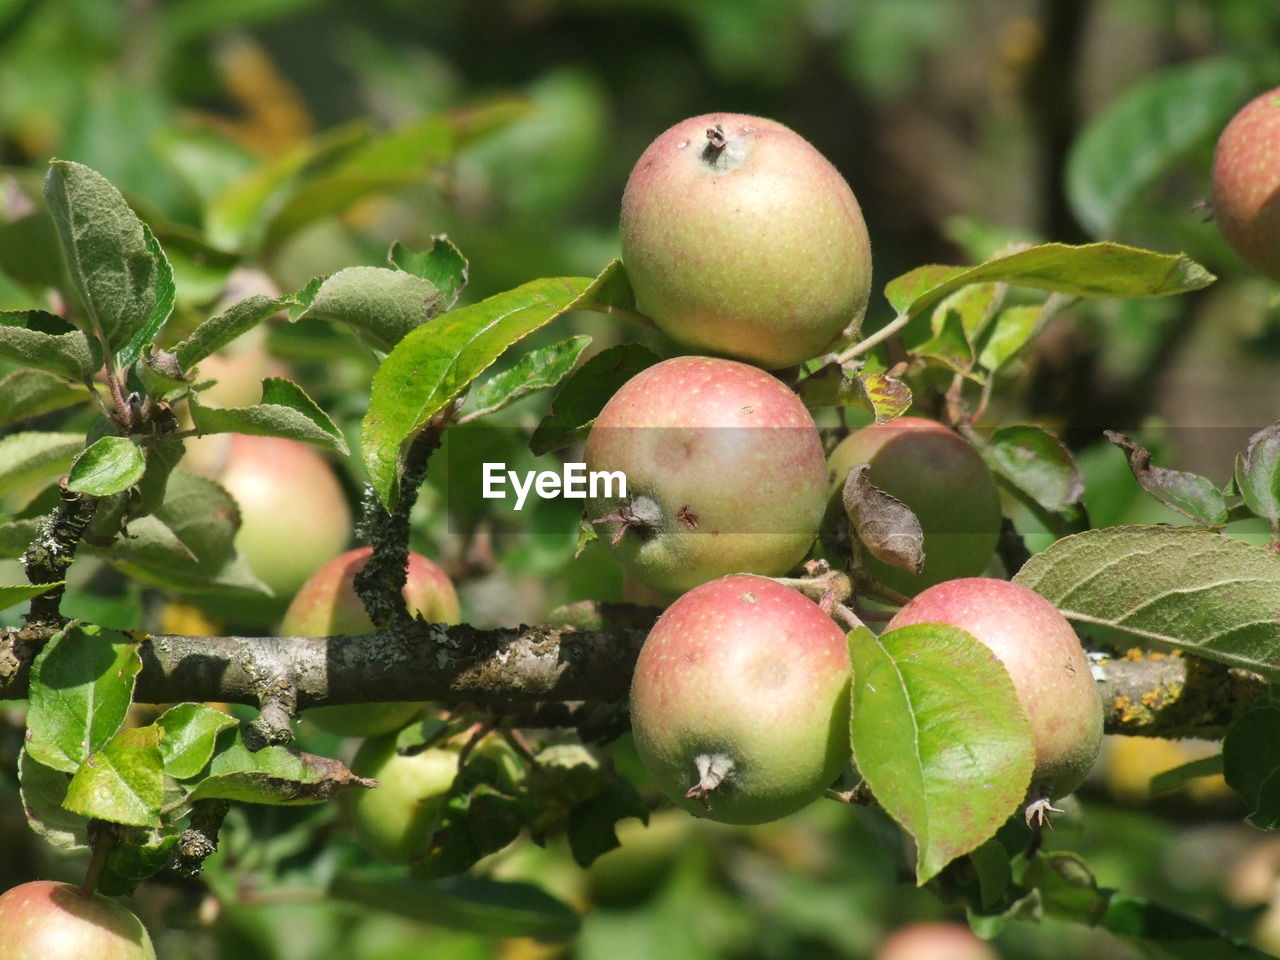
(1044, 659)
(398, 819)
(939, 475)
(724, 473)
(294, 515)
(1246, 183)
(740, 700)
(935, 941)
(741, 239)
(327, 606)
(44, 920)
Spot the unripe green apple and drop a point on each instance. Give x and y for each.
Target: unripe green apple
(724, 471)
(44, 920)
(294, 515)
(1043, 656)
(327, 605)
(935, 941)
(1246, 183)
(740, 700)
(741, 239)
(942, 479)
(397, 819)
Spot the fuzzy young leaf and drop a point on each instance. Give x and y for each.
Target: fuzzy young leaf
(1190, 494)
(1251, 764)
(443, 265)
(285, 411)
(1007, 335)
(44, 790)
(585, 393)
(105, 247)
(1257, 473)
(885, 525)
(903, 291)
(12, 595)
(108, 465)
(123, 782)
(949, 346)
(29, 457)
(382, 303)
(1199, 591)
(81, 688)
(536, 370)
(433, 364)
(162, 308)
(190, 733)
(30, 393)
(496, 908)
(219, 330)
(870, 388)
(940, 736)
(273, 775)
(1036, 465)
(130, 862)
(71, 355)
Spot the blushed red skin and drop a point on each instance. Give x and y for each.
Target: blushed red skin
(936, 473)
(766, 260)
(935, 941)
(1042, 653)
(327, 605)
(731, 456)
(754, 670)
(1246, 183)
(44, 920)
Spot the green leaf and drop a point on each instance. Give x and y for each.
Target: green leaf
(219, 330)
(1036, 465)
(1145, 132)
(123, 782)
(29, 457)
(443, 265)
(15, 537)
(949, 346)
(939, 736)
(870, 388)
(30, 393)
(1088, 270)
(1258, 473)
(188, 544)
(591, 826)
(165, 292)
(1201, 592)
(71, 355)
(81, 688)
(495, 908)
(1189, 494)
(435, 363)
(536, 370)
(109, 465)
(1176, 777)
(1163, 934)
(973, 306)
(1007, 335)
(383, 304)
(43, 791)
(129, 863)
(190, 733)
(272, 775)
(1251, 764)
(12, 595)
(285, 411)
(586, 392)
(105, 247)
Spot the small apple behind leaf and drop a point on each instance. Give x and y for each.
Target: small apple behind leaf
(1246, 183)
(398, 819)
(741, 239)
(44, 920)
(740, 701)
(327, 605)
(724, 469)
(1043, 656)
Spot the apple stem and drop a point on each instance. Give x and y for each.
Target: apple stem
(713, 768)
(104, 840)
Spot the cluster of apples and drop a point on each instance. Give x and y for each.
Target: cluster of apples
(747, 248)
